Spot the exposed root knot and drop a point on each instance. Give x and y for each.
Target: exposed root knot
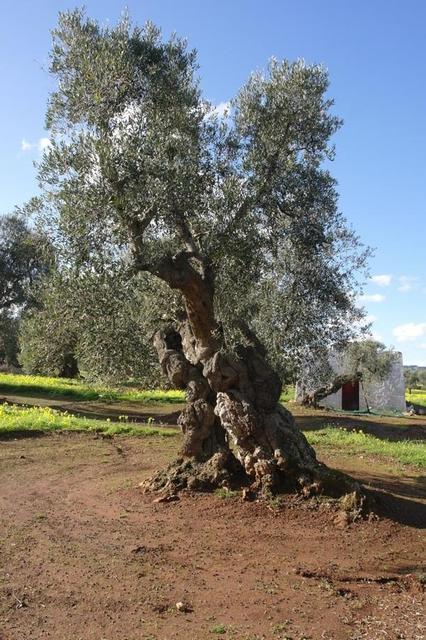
(222, 469)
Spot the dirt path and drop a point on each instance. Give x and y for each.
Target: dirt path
(86, 556)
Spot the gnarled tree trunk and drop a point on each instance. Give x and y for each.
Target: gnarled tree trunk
(235, 430)
(206, 460)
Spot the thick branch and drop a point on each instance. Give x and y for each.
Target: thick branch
(313, 398)
(198, 290)
(187, 237)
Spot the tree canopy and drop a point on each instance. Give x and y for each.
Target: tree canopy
(140, 162)
(97, 325)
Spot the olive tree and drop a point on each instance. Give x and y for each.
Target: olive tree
(412, 379)
(230, 213)
(25, 256)
(94, 324)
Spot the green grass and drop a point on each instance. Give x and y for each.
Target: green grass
(14, 419)
(287, 394)
(226, 494)
(357, 442)
(219, 629)
(13, 384)
(418, 396)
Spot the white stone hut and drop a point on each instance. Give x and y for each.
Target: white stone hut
(383, 395)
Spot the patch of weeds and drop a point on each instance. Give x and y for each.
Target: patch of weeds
(326, 585)
(219, 629)
(41, 516)
(269, 588)
(80, 390)
(275, 502)
(15, 418)
(279, 627)
(352, 506)
(226, 494)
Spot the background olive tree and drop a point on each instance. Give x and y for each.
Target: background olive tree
(96, 325)
(25, 257)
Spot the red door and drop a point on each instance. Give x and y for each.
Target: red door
(350, 396)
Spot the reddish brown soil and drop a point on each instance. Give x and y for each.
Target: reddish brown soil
(86, 556)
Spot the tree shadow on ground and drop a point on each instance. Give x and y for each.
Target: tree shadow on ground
(398, 498)
(405, 511)
(21, 434)
(394, 429)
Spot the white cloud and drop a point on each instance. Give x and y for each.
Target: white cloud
(41, 145)
(382, 280)
(410, 331)
(25, 145)
(374, 297)
(222, 109)
(422, 345)
(407, 283)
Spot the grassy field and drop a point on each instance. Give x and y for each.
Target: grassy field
(17, 419)
(14, 420)
(418, 396)
(287, 394)
(13, 384)
(357, 442)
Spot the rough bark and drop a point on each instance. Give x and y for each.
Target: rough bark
(234, 398)
(274, 453)
(205, 460)
(313, 398)
(235, 430)
(70, 367)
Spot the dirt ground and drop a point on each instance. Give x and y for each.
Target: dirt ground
(86, 556)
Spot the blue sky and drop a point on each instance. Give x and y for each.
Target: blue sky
(375, 51)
